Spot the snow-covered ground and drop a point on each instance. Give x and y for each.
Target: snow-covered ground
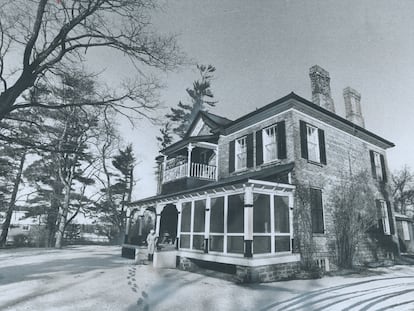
(97, 278)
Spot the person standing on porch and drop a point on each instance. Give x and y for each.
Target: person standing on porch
(151, 242)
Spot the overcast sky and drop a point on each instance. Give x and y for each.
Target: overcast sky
(263, 50)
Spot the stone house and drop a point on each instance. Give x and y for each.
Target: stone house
(226, 194)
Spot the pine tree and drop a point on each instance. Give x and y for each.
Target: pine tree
(200, 95)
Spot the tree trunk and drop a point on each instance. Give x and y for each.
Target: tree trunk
(6, 224)
(63, 214)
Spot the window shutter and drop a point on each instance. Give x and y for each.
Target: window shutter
(390, 219)
(316, 210)
(379, 213)
(384, 173)
(231, 156)
(259, 148)
(249, 143)
(281, 140)
(374, 172)
(303, 140)
(322, 151)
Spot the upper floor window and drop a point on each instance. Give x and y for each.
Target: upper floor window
(378, 166)
(241, 153)
(270, 144)
(312, 143)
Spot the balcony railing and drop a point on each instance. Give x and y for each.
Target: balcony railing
(179, 169)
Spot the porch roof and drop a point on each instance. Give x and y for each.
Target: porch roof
(263, 175)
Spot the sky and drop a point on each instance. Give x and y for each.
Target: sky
(262, 50)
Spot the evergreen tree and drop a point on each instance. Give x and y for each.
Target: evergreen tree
(200, 95)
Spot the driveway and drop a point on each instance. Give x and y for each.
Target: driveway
(97, 278)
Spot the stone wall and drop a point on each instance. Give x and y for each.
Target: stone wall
(267, 273)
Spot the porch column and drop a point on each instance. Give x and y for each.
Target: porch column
(128, 224)
(189, 149)
(291, 203)
(207, 224)
(217, 162)
(158, 211)
(177, 243)
(164, 168)
(248, 221)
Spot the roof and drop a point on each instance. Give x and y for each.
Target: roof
(292, 96)
(220, 121)
(184, 142)
(277, 170)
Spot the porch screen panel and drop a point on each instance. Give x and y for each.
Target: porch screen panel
(282, 243)
(282, 214)
(186, 217)
(217, 215)
(185, 241)
(235, 220)
(199, 215)
(216, 243)
(235, 244)
(261, 213)
(261, 244)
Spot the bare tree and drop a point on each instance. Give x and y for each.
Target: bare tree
(53, 36)
(403, 189)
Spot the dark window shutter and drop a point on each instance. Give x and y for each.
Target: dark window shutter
(259, 148)
(303, 140)
(249, 142)
(281, 140)
(231, 156)
(390, 218)
(384, 172)
(316, 210)
(379, 213)
(322, 151)
(374, 172)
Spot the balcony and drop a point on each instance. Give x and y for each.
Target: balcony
(180, 167)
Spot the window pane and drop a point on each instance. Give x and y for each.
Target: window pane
(241, 153)
(282, 244)
(261, 244)
(198, 242)
(217, 215)
(313, 144)
(235, 221)
(282, 214)
(186, 217)
(216, 243)
(185, 241)
(235, 244)
(261, 213)
(269, 144)
(199, 215)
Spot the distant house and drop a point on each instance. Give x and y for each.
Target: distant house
(405, 230)
(226, 192)
(21, 225)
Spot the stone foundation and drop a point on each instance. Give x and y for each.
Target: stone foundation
(268, 273)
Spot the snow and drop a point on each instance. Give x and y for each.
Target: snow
(97, 278)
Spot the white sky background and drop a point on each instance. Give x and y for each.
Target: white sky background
(263, 50)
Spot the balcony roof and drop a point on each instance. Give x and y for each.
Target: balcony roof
(192, 139)
(264, 175)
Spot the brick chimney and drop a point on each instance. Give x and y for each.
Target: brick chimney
(321, 89)
(353, 106)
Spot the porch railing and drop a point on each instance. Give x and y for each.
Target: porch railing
(198, 170)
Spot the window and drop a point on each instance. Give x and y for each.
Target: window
(316, 210)
(312, 143)
(406, 231)
(241, 153)
(25, 228)
(384, 220)
(378, 166)
(270, 144)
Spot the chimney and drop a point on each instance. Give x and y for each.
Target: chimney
(353, 106)
(321, 89)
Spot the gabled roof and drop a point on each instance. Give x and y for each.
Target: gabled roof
(274, 171)
(184, 142)
(213, 121)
